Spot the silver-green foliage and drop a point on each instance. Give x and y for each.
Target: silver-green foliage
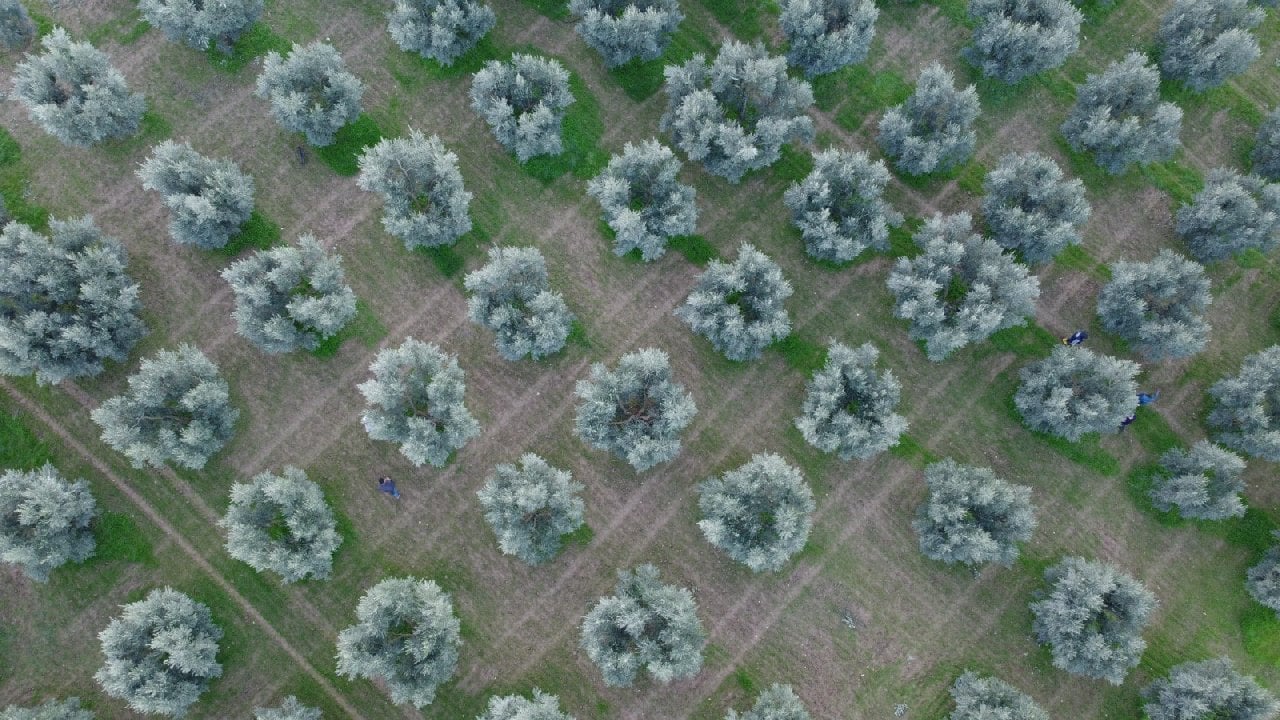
(643, 200)
(67, 302)
(1119, 117)
(1208, 690)
(734, 114)
(778, 702)
(441, 30)
(849, 407)
(1075, 391)
(542, 706)
(310, 91)
(1263, 579)
(290, 709)
(971, 516)
(645, 625)
(416, 399)
(933, 130)
(290, 298)
(1158, 306)
(16, 28)
(74, 94)
(424, 202)
(161, 653)
(839, 206)
(1203, 482)
(1233, 213)
(739, 306)
(990, 698)
(1205, 42)
(68, 709)
(524, 100)
(760, 513)
(626, 30)
(45, 521)
(407, 636)
(209, 199)
(177, 409)
(1266, 147)
(826, 35)
(282, 523)
(961, 288)
(197, 22)
(511, 296)
(1092, 619)
(1246, 414)
(1030, 206)
(635, 412)
(531, 507)
(1015, 39)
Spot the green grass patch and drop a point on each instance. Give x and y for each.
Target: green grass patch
(582, 536)
(792, 165)
(258, 233)
(257, 41)
(1138, 485)
(1251, 259)
(868, 92)
(580, 134)
(1075, 257)
(970, 178)
(44, 24)
(10, 150)
(554, 9)
(466, 64)
(135, 33)
(20, 449)
(152, 128)
(742, 17)
(932, 182)
(120, 538)
(1025, 341)
(578, 335)
(1179, 181)
(343, 154)
(1153, 432)
(14, 185)
(446, 259)
(901, 239)
(695, 248)
(1086, 452)
(909, 449)
(1253, 532)
(365, 327)
(804, 355)
(957, 11)
(1260, 633)
(1224, 98)
(641, 79)
(743, 680)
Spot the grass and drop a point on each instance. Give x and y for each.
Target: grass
(343, 154)
(20, 449)
(805, 356)
(908, 448)
(1075, 257)
(257, 41)
(14, 184)
(640, 79)
(258, 233)
(1029, 341)
(446, 259)
(1154, 432)
(120, 539)
(1179, 181)
(580, 135)
(581, 537)
(466, 64)
(792, 165)
(152, 128)
(554, 9)
(695, 248)
(578, 335)
(365, 327)
(865, 92)
(743, 18)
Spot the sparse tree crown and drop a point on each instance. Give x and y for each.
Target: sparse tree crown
(839, 206)
(290, 709)
(282, 523)
(531, 508)
(759, 513)
(826, 35)
(778, 702)
(738, 306)
(1158, 306)
(440, 30)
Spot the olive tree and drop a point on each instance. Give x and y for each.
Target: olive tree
(626, 30)
(961, 288)
(177, 409)
(542, 706)
(637, 411)
(407, 636)
(310, 91)
(826, 35)
(16, 27)
(1263, 579)
(208, 199)
(1157, 306)
(1075, 391)
(197, 22)
(424, 202)
(932, 131)
(849, 406)
(839, 207)
(1119, 118)
(990, 698)
(759, 514)
(282, 523)
(643, 200)
(45, 521)
(531, 508)
(1030, 207)
(1208, 690)
(778, 702)
(971, 516)
(1246, 414)
(1015, 39)
(160, 653)
(67, 302)
(73, 92)
(512, 296)
(645, 625)
(290, 709)
(735, 113)
(738, 306)
(1205, 42)
(416, 399)
(524, 100)
(1231, 214)
(68, 709)
(1266, 147)
(1203, 482)
(440, 30)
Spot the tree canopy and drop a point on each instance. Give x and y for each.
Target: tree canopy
(68, 709)
(777, 702)
(1075, 391)
(826, 35)
(1231, 214)
(1158, 306)
(990, 698)
(1030, 207)
(1015, 39)
(839, 207)
(971, 516)
(1203, 482)
(440, 30)
(1205, 42)
(524, 101)
(1245, 415)
(282, 523)
(45, 521)
(531, 507)
(424, 202)
(208, 199)
(849, 406)
(932, 131)
(512, 296)
(197, 23)
(626, 30)
(310, 91)
(759, 514)
(542, 706)
(290, 709)
(644, 202)
(1120, 119)
(1208, 690)
(739, 306)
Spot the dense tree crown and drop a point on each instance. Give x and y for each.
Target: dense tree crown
(644, 625)
(826, 35)
(290, 709)
(961, 288)
(626, 30)
(531, 507)
(1203, 483)
(416, 399)
(1266, 147)
(160, 653)
(1119, 118)
(1158, 306)
(67, 302)
(738, 306)
(68, 709)
(759, 514)
(16, 28)
(524, 101)
(208, 199)
(440, 30)
(1029, 206)
(282, 523)
(45, 521)
(424, 203)
(1246, 415)
(1092, 619)
(73, 93)
(643, 200)
(933, 130)
(310, 91)
(1075, 391)
(177, 409)
(1233, 213)
(636, 411)
(196, 22)
(1263, 579)
(990, 698)
(1208, 690)
(406, 636)
(734, 114)
(839, 206)
(849, 406)
(542, 706)
(290, 298)
(1014, 39)
(971, 516)
(778, 702)
(1204, 42)
(512, 296)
